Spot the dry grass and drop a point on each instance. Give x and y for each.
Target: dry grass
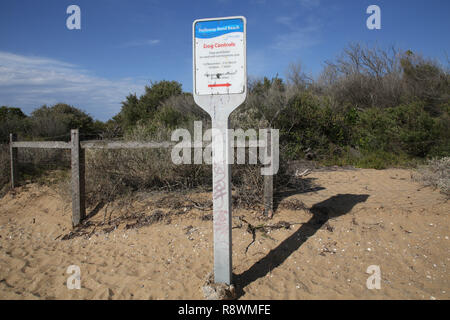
(34, 165)
(435, 174)
(114, 173)
(111, 173)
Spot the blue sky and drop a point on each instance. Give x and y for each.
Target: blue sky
(123, 45)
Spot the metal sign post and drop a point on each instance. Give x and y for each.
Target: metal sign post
(220, 86)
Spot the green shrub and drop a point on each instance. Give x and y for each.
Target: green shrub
(406, 129)
(12, 120)
(55, 122)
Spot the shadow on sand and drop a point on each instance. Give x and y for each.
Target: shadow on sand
(297, 186)
(94, 211)
(333, 207)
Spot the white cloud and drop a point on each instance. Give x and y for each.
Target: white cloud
(295, 36)
(139, 43)
(285, 20)
(309, 3)
(29, 82)
(299, 38)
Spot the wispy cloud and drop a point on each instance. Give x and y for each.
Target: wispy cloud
(285, 20)
(29, 82)
(300, 38)
(297, 36)
(140, 43)
(309, 3)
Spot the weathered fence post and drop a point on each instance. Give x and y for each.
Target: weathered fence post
(14, 162)
(268, 181)
(78, 181)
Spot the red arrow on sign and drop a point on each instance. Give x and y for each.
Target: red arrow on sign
(219, 85)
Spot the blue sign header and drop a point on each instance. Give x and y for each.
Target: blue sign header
(215, 28)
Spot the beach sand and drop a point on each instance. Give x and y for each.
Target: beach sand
(351, 219)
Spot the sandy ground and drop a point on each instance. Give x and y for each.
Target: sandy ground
(353, 219)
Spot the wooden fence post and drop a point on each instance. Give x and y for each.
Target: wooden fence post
(14, 162)
(268, 181)
(78, 179)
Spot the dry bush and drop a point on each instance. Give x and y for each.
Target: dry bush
(34, 165)
(364, 77)
(297, 78)
(435, 174)
(44, 158)
(112, 173)
(44, 166)
(248, 184)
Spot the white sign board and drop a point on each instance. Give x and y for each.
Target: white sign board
(220, 86)
(219, 51)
